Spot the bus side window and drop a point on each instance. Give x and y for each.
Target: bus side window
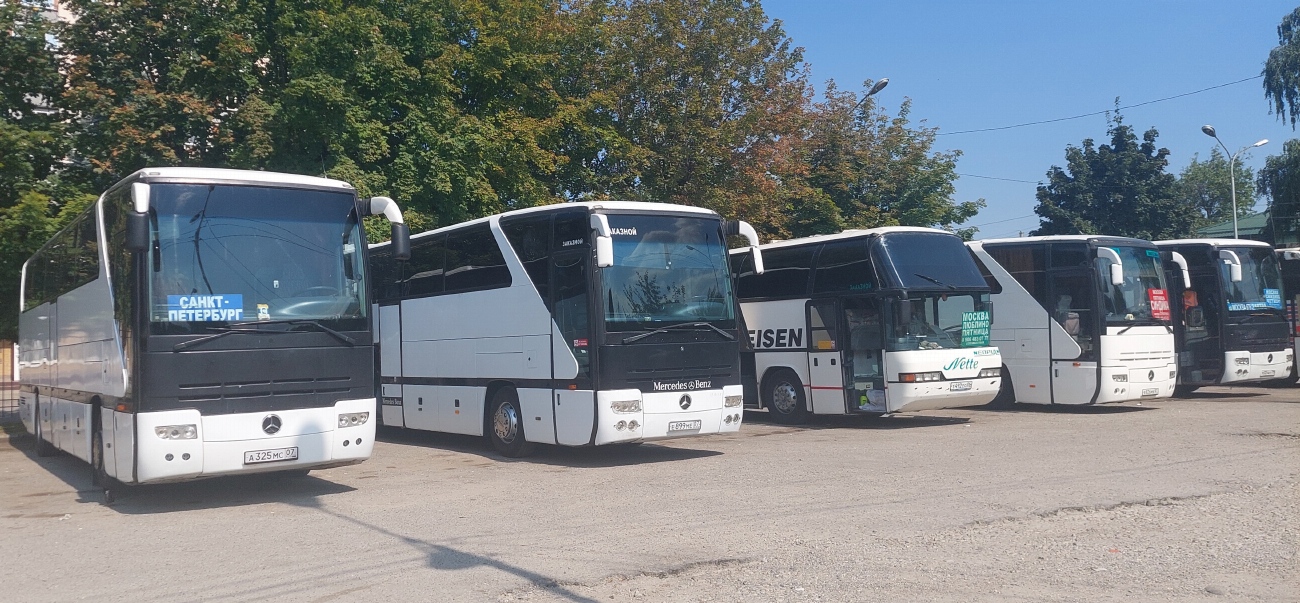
(821, 326)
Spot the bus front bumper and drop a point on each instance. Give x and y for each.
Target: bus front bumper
(666, 415)
(1240, 367)
(936, 395)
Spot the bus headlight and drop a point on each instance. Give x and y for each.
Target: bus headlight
(733, 401)
(352, 419)
(625, 406)
(989, 372)
(920, 377)
(1243, 360)
(1120, 378)
(177, 432)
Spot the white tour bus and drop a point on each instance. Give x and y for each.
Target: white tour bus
(199, 322)
(573, 324)
(866, 321)
(1230, 323)
(1081, 319)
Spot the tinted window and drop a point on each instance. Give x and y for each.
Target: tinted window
(1027, 264)
(925, 260)
(1069, 255)
(385, 275)
(530, 238)
(785, 273)
(423, 272)
(572, 229)
(989, 279)
(474, 260)
(844, 266)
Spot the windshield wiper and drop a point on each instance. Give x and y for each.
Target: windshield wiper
(235, 327)
(934, 280)
(691, 325)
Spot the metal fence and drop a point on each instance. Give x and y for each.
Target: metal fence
(8, 385)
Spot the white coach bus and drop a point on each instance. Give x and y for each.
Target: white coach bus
(866, 321)
(1081, 319)
(1230, 322)
(574, 324)
(200, 322)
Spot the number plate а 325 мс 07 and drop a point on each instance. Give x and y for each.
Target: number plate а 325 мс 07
(271, 456)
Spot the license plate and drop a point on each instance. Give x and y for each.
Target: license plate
(271, 456)
(1151, 391)
(684, 425)
(1267, 373)
(959, 386)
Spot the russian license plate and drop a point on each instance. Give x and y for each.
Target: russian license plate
(959, 386)
(271, 456)
(1268, 373)
(684, 425)
(1151, 391)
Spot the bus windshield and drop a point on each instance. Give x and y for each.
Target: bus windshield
(934, 322)
(1260, 287)
(227, 253)
(925, 260)
(667, 269)
(1144, 280)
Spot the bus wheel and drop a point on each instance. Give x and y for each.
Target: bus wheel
(43, 446)
(97, 474)
(505, 428)
(1006, 398)
(1183, 390)
(783, 396)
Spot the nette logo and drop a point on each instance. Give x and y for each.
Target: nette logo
(962, 364)
(773, 339)
(623, 231)
(271, 424)
(678, 386)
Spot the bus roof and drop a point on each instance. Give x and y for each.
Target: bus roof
(184, 174)
(847, 234)
(1214, 242)
(649, 206)
(1051, 238)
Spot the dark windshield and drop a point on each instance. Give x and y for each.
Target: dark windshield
(224, 253)
(925, 260)
(935, 322)
(666, 270)
(1260, 288)
(1144, 281)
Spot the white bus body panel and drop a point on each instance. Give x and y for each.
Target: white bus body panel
(1144, 357)
(1242, 366)
(223, 439)
(958, 365)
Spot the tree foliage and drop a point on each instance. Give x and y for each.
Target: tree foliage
(1282, 70)
(32, 137)
(1279, 179)
(1206, 186)
(1120, 188)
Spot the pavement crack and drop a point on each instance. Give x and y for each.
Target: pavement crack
(1060, 511)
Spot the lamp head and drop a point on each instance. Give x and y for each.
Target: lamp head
(1260, 143)
(880, 85)
(1209, 130)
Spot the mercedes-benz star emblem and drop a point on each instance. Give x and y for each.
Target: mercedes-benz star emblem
(1270, 358)
(1151, 375)
(271, 424)
(685, 402)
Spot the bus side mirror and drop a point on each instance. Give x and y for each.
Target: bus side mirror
(137, 231)
(1234, 264)
(1116, 275)
(401, 242)
(604, 241)
(1116, 265)
(740, 227)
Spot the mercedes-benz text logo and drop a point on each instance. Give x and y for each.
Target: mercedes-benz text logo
(685, 402)
(271, 424)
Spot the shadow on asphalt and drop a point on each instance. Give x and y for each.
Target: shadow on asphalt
(613, 455)
(1073, 409)
(894, 421)
(217, 492)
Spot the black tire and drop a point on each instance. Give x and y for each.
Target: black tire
(505, 425)
(1006, 398)
(43, 446)
(98, 476)
(784, 398)
(1182, 391)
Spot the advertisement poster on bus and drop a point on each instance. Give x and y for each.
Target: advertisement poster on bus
(975, 329)
(1159, 304)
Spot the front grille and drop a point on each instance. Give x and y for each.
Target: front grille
(273, 388)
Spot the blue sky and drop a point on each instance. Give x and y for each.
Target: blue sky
(985, 64)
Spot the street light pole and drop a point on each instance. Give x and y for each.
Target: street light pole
(1232, 171)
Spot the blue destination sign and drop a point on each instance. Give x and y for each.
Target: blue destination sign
(205, 308)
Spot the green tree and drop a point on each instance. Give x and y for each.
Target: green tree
(1282, 70)
(1279, 179)
(32, 139)
(1119, 188)
(878, 170)
(1205, 185)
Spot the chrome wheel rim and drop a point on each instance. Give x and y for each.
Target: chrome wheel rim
(506, 423)
(784, 398)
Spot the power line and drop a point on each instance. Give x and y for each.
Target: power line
(1001, 221)
(995, 178)
(1049, 121)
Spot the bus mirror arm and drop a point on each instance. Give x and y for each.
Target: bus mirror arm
(1182, 263)
(604, 240)
(401, 234)
(1234, 264)
(1116, 265)
(743, 228)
